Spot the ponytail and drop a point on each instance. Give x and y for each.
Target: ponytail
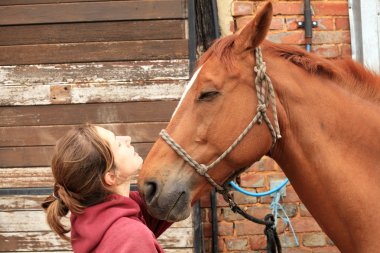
(80, 160)
(55, 210)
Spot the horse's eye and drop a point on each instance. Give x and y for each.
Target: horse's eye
(208, 95)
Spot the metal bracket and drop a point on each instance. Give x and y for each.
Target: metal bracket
(300, 24)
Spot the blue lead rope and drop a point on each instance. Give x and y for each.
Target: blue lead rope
(275, 205)
(260, 194)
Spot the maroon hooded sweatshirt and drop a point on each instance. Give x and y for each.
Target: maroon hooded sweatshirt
(119, 224)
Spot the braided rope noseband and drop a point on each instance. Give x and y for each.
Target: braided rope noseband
(263, 83)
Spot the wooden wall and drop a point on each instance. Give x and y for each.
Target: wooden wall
(117, 64)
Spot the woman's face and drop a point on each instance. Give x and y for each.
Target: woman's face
(126, 160)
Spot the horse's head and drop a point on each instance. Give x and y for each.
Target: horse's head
(218, 104)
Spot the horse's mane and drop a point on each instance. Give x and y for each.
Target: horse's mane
(345, 72)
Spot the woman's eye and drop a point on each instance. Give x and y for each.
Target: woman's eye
(208, 95)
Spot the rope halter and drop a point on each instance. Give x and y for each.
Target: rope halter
(263, 83)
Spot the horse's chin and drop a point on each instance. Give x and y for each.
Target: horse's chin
(174, 208)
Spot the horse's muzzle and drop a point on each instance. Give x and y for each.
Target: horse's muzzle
(166, 202)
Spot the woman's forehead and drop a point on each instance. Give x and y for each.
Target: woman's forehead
(105, 134)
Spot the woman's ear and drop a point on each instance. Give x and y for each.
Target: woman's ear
(110, 178)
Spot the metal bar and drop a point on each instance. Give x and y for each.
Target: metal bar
(36, 191)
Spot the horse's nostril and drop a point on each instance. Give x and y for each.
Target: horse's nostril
(150, 191)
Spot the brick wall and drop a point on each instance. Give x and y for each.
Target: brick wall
(331, 39)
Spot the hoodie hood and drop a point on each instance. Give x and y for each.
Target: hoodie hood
(88, 228)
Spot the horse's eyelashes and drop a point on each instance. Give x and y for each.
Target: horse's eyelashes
(208, 95)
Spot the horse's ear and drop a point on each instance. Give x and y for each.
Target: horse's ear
(255, 32)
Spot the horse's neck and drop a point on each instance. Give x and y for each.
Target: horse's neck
(330, 152)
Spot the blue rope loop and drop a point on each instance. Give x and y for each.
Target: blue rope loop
(259, 194)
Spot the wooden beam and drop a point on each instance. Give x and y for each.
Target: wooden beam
(92, 11)
(73, 114)
(93, 52)
(41, 155)
(92, 32)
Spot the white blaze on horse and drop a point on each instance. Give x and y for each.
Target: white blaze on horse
(329, 118)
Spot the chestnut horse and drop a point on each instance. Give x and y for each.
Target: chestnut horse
(329, 118)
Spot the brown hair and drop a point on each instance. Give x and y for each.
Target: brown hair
(80, 160)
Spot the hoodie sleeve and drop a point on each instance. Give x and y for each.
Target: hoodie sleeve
(155, 225)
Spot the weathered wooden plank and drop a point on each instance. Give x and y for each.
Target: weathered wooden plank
(32, 241)
(41, 155)
(91, 92)
(29, 221)
(48, 135)
(153, 111)
(24, 2)
(31, 177)
(92, 11)
(103, 72)
(40, 241)
(92, 32)
(93, 52)
(26, 177)
(177, 237)
(21, 202)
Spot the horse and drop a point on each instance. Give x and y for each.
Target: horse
(327, 112)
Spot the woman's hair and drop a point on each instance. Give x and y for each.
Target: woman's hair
(80, 160)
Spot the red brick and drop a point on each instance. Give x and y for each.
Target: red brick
(292, 23)
(330, 8)
(282, 8)
(304, 212)
(342, 23)
(294, 37)
(257, 242)
(254, 180)
(247, 227)
(289, 241)
(225, 228)
(207, 229)
(229, 215)
(305, 224)
(205, 201)
(326, 250)
(277, 24)
(241, 8)
(242, 21)
(327, 51)
(259, 211)
(331, 37)
(346, 50)
(324, 24)
(291, 197)
(314, 239)
(242, 199)
(236, 244)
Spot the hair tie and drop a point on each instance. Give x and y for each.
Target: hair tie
(55, 196)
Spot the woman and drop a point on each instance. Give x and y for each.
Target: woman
(92, 169)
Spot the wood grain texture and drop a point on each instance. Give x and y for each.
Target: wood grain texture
(73, 114)
(38, 156)
(93, 52)
(92, 11)
(92, 32)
